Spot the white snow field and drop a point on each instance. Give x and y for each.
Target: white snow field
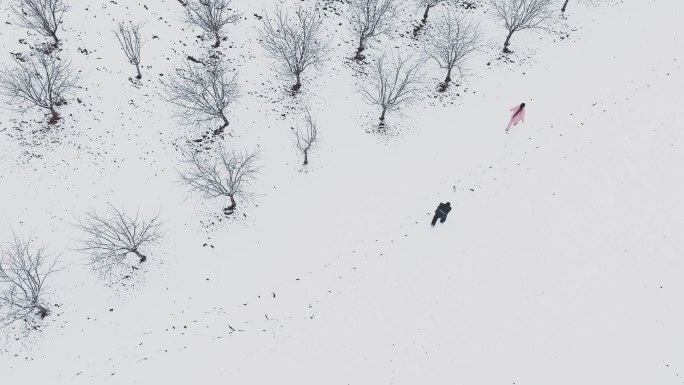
(561, 262)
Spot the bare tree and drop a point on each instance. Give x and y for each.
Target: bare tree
(369, 19)
(129, 39)
(518, 15)
(203, 91)
(220, 174)
(450, 41)
(114, 235)
(394, 81)
(296, 42)
(24, 271)
(210, 15)
(306, 138)
(43, 81)
(42, 16)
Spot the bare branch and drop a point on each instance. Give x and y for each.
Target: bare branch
(129, 39)
(369, 19)
(41, 16)
(211, 16)
(521, 14)
(24, 271)
(203, 92)
(297, 43)
(43, 81)
(449, 41)
(220, 174)
(394, 82)
(111, 237)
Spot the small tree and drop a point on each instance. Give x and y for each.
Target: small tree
(210, 15)
(306, 137)
(393, 83)
(296, 42)
(129, 39)
(43, 81)
(220, 174)
(369, 19)
(518, 15)
(203, 91)
(450, 41)
(24, 272)
(111, 237)
(41, 16)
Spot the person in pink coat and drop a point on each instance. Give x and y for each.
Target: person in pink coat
(518, 116)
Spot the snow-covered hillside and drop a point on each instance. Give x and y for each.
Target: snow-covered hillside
(560, 263)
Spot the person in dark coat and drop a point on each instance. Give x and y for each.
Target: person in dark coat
(441, 213)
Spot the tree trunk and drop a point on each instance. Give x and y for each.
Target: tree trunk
(218, 40)
(54, 36)
(225, 124)
(137, 67)
(445, 84)
(55, 116)
(360, 49)
(425, 15)
(507, 42)
(382, 119)
(306, 157)
(565, 4)
(229, 210)
(297, 85)
(142, 257)
(42, 311)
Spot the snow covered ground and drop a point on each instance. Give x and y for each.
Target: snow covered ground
(560, 263)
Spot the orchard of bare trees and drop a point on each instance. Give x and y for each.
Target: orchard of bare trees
(389, 77)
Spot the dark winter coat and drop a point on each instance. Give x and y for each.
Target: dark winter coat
(443, 209)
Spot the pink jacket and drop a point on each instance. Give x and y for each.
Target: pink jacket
(517, 118)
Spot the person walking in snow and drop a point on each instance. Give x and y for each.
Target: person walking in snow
(518, 116)
(441, 213)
